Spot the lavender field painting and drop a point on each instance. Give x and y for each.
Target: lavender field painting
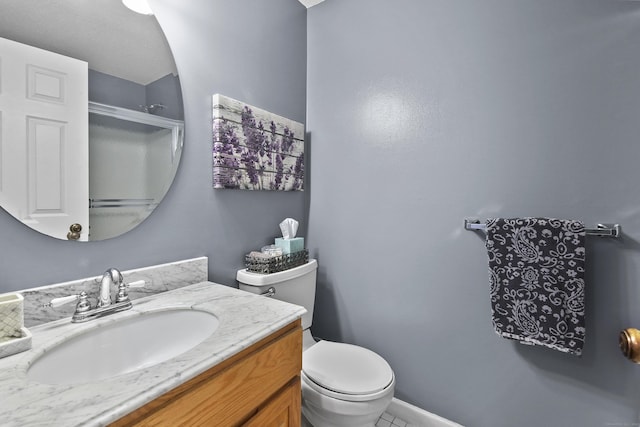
(254, 149)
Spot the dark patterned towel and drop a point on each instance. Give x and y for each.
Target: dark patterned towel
(536, 268)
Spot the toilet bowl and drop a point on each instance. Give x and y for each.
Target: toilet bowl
(343, 385)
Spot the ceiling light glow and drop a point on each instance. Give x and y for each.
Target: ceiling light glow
(140, 6)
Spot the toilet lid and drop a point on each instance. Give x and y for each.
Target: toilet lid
(346, 368)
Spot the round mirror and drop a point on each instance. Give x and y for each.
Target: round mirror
(91, 116)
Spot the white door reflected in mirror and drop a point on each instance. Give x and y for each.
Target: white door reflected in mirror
(45, 129)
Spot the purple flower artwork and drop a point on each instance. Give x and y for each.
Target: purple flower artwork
(254, 149)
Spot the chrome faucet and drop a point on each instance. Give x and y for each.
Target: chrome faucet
(112, 277)
(104, 305)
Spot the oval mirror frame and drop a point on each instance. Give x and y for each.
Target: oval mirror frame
(133, 118)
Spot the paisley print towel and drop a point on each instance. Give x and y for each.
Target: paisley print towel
(536, 268)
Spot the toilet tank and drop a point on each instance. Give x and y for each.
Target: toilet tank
(296, 285)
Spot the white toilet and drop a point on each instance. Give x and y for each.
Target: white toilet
(342, 384)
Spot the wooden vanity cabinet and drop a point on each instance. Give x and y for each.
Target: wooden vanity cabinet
(258, 387)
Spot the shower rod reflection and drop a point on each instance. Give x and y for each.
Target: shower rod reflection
(120, 203)
(601, 230)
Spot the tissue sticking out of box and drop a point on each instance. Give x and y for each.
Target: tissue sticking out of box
(289, 228)
(289, 243)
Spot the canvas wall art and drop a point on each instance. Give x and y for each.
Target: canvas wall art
(254, 149)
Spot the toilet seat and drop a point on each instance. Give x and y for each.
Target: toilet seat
(346, 371)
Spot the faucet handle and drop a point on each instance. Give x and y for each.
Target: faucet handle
(136, 284)
(57, 302)
(82, 305)
(122, 289)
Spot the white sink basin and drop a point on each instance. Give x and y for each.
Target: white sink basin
(123, 346)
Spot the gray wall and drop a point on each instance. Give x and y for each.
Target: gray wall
(248, 50)
(499, 107)
(424, 112)
(166, 91)
(111, 90)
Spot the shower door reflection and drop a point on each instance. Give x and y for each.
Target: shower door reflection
(133, 157)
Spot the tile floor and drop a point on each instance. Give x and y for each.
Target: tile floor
(390, 420)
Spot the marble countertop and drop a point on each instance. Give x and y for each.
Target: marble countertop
(244, 318)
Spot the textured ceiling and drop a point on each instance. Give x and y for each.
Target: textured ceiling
(110, 37)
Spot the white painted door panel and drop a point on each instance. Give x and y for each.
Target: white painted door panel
(44, 148)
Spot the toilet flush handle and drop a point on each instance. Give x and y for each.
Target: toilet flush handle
(270, 292)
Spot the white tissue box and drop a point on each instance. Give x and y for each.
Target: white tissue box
(290, 246)
(11, 316)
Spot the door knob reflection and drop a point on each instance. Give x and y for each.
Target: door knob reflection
(74, 232)
(630, 344)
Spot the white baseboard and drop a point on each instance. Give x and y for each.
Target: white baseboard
(417, 416)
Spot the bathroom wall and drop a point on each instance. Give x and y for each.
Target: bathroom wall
(423, 112)
(248, 50)
(166, 91)
(111, 90)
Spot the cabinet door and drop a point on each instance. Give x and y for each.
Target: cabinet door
(234, 390)
(283, 410)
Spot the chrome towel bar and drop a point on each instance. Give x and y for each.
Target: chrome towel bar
(601, 230)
